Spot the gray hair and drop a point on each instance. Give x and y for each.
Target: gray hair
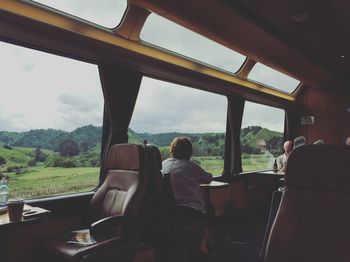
(299, 141)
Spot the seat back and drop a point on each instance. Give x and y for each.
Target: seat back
(154, 226)
(183, 238)
(122, 188)
(312, 223)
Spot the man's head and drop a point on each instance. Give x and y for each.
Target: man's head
(181, 148)
(288, 147)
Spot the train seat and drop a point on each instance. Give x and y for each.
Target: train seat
(153, 225)
(183, 239)
(312, 222)
(115, 204)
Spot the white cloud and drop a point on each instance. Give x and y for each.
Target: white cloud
(36, 89)
(107, 13)
(167, 34)
(40, 90)
(265, 116)
(268, 76)
(166, 107)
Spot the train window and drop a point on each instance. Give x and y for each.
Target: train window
(107, 13)
(261, 136)
(51, 114)
(268, 76)
(164, 110)
(169, 35)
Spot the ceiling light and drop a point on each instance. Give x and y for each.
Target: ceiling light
(300, 17)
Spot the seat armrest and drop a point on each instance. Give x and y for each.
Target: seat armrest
(108, 221)
(123, 226)
(110, 225)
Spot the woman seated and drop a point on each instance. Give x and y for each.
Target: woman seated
(186, 177)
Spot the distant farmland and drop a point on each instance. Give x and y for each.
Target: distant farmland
(41, 163)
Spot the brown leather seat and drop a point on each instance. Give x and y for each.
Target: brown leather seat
(313, 220)
(119, 196)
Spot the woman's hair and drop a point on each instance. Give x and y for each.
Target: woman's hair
(181, 148)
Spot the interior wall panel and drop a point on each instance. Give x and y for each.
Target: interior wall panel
(330, 111)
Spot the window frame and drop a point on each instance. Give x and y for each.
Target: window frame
(285, 135)
(274, 87)
(80, 19)
(164, 49)
(105, 123)
(225, 160)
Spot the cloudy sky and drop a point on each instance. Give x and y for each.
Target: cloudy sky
(107, 13)
(164, 33)
(40, 90)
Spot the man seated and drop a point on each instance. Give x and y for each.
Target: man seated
(282, 159)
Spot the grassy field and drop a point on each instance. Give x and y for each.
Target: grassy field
(40, 182)
(43, 181)
(257, 162)
(212, 164)
(215, 165)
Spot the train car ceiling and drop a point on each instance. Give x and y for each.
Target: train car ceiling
(121, 45)
(310, 65)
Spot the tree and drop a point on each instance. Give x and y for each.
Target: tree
(2, 160)
(69, 163)
(68, 148)
(165, 152)
(84, 146)
(39, 156)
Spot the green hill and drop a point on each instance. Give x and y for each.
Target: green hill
(263, 134)
(9, 138)
(134, 137)
(164, 139)
(43, 138)
(86, 137)
(254, 136)
(16, 155)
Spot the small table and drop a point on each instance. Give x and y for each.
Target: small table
(207, 188)
(271, 173)
(214, 184)
(30, 215)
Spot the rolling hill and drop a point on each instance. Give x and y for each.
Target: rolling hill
(89, 138)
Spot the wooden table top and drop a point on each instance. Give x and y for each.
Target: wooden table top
(30, 214)
(215, 184)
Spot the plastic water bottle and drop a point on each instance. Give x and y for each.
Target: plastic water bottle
(275, 166)
(4, 192)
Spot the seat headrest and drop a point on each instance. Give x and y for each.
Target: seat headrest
(123, 156)
(156, 157)
(319, 167)
(299, 141)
